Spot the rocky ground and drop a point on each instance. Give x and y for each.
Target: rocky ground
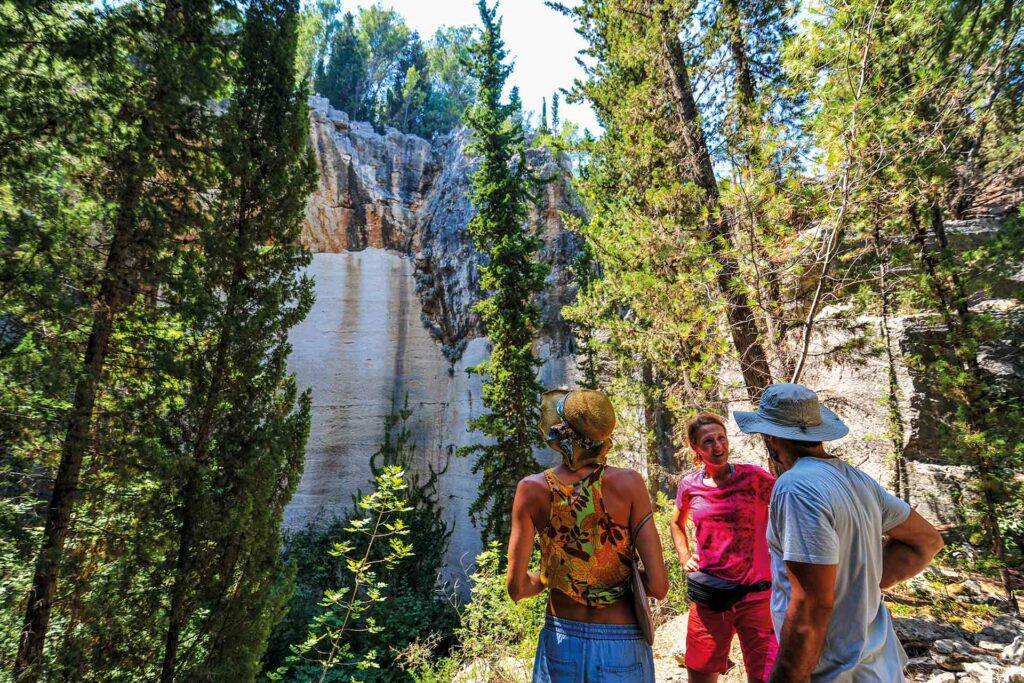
(952, 626)
(940, 652)
(955, 627)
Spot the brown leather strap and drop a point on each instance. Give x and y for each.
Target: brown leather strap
(640, 524)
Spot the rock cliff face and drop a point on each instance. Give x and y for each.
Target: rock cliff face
(396, 277)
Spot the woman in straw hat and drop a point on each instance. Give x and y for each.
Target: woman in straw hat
(588, 518)
(729, 580)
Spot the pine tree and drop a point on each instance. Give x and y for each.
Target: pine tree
(910, 139)
(343, 79)
(501, 192)
(669, 295)
(410, 90)
(742, 323)
(452, 87)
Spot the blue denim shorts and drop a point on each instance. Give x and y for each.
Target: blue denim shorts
(577, 652)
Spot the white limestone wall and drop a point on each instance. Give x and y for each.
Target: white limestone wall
(360, 349)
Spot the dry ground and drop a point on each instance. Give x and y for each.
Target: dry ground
(666, 669)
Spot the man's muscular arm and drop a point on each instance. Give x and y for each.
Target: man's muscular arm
(807, 619)
(910, 549)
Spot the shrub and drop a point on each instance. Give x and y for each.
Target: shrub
(497, 637)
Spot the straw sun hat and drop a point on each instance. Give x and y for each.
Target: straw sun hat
(589, 415)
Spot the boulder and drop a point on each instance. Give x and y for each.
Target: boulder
(987, 670)
(1004, 629)
(1014, 652)
(917, 634)
(952, 654)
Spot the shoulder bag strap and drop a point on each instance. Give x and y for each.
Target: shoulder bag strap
(640, 525)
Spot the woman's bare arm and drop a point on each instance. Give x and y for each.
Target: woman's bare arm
(681, 540)
(522, 583)
(648, 544)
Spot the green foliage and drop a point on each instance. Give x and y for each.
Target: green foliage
(502, 188)
(342, 78)
(373, 67)
(928, 121)
(326, 654)
(497, 637)
(643, 236)
(51, 138)
(17, 542)
(414, 610)
(676, 602)
(161, 235)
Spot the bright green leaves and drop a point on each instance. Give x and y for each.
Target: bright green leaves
(327, 654)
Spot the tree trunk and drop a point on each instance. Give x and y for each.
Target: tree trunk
(200, 448)
(115, 291)
(956, 314)
(738, 48)
(742, 324)
(770, 289)
(662, 453)
(182, 564)
(901, 479)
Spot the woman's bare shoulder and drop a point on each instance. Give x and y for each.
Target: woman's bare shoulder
(533, 484)
(624, 477)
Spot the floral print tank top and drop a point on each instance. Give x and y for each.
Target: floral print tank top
(584, 554)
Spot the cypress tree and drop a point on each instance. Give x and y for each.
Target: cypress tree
(244, 438)
(343, 79)
(51, 134)
(501, 192)
(155, 170)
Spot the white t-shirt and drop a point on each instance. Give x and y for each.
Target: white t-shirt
(824, 511)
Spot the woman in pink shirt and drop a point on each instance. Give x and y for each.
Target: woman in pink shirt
(729, 575)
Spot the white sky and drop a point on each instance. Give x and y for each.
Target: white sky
(541, 41)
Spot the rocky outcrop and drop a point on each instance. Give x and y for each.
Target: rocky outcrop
(370, 185)
(401, 193)
(944, 653)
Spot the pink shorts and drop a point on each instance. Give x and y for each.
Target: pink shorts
(709, 636)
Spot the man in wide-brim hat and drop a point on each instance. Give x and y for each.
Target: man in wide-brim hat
(825, 537)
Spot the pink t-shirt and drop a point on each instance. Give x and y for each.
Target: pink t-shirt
(731, 522)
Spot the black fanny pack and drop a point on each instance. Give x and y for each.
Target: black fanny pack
(718, 594)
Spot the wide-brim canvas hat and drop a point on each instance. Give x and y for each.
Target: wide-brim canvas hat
(791, 411)
(587, 412)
